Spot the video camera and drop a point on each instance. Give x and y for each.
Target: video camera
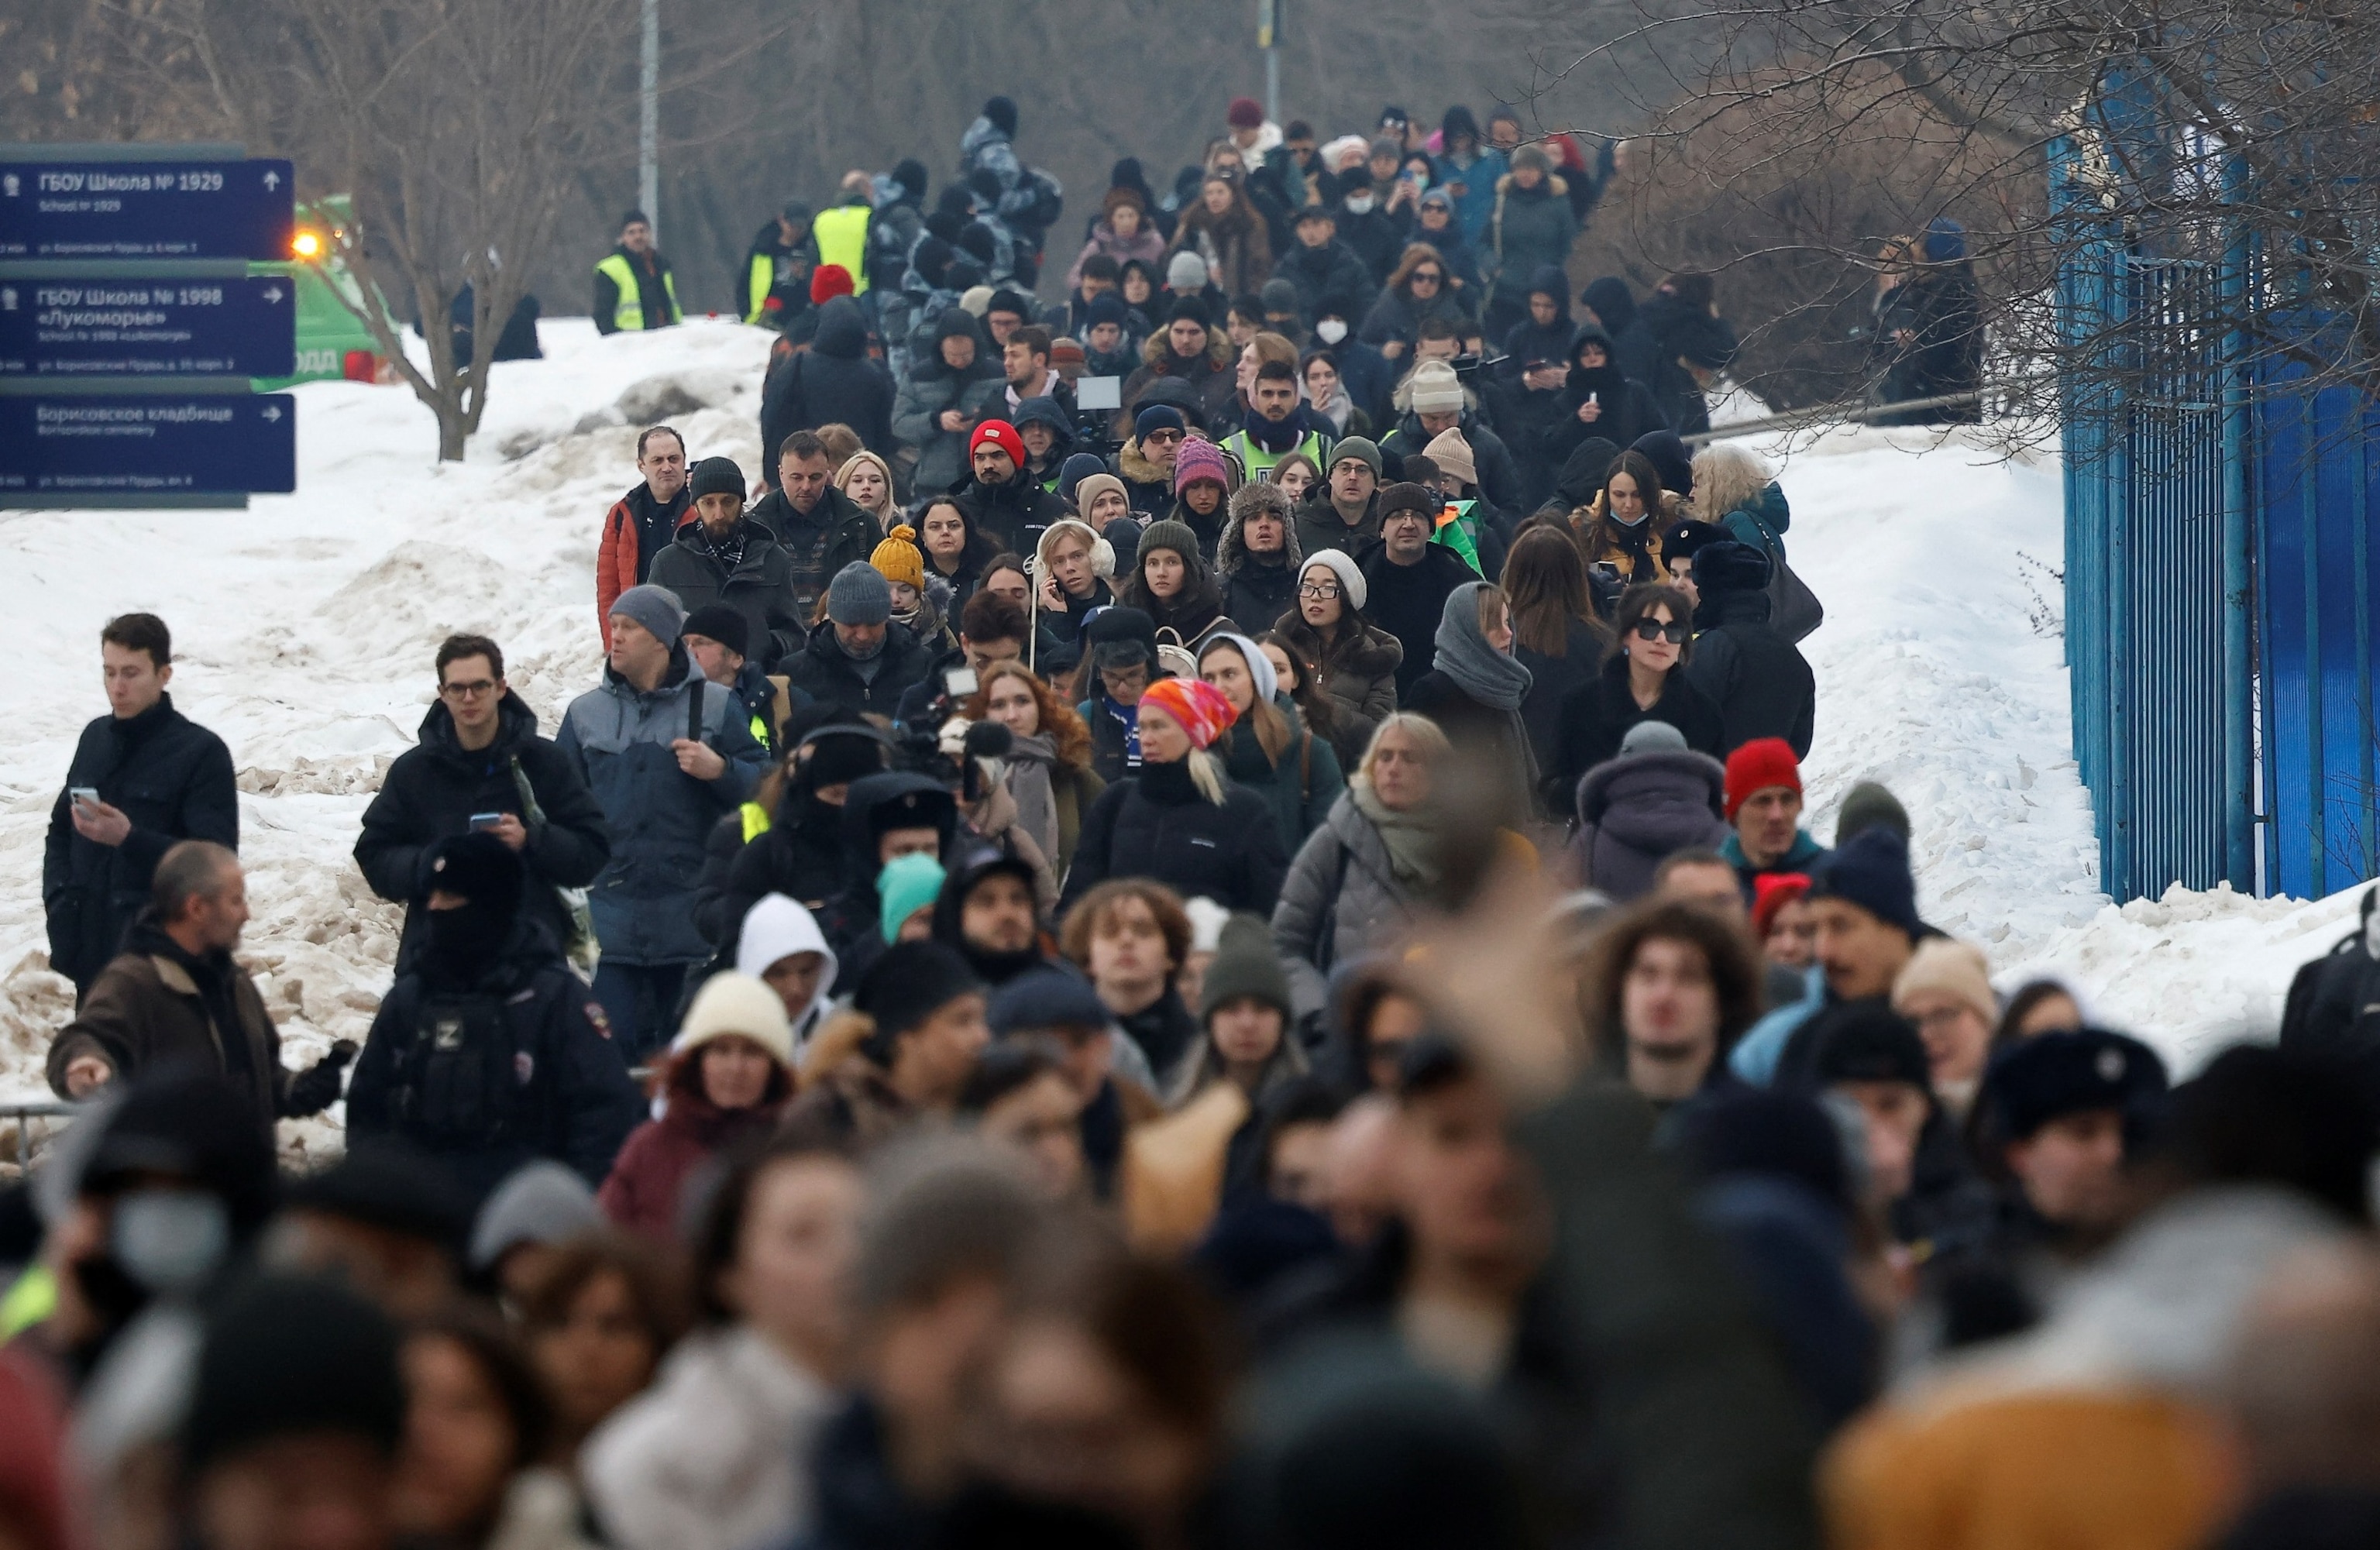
(1097, 399)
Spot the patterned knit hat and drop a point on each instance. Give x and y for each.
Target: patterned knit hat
(899, 558)
(1197, 706)
(1199, 460)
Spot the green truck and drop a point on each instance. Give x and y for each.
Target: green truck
(332, 342)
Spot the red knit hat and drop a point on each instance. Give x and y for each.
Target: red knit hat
(1197, 705)
(1771, 892)
(1758, 764)
(827, 282)
(1246, 113)
(1001, 434)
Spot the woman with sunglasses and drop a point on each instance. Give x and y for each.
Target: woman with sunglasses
(1644, 679)
(1420, 289)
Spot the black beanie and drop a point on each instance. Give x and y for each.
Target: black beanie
(1869, 1042)
(287, 1355)
(1871, 871)
(908, 985)
(1003, 113)
(1410, 497)
(715, 476)
(1189, 307)
(910, 174)
(720, 622)
(479, 867)
(842, 755)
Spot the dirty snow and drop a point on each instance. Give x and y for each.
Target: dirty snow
(305, 626)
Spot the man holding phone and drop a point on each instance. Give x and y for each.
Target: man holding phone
(143, 777)
(481, 764)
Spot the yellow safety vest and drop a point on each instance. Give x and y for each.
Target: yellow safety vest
(631, 312)
(757, 284)
(1258, 462)
(841, 236)
(756, 821)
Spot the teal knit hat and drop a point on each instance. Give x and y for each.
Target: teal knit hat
(907, 884)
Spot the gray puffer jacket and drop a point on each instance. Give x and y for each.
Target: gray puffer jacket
(1638, 809)
(619, 737)
(1343, 864)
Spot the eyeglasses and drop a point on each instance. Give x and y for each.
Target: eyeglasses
(1163, 437)
(468, 691)
(1318, 590)
(1653, 629)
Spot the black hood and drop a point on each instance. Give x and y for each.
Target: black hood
(516, 724)
(992, 968)
(1583, 470)
(841, 330)
(932, 801)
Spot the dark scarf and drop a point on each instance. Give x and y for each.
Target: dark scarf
(1280, 438)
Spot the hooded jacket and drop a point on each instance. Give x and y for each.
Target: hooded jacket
(1627, 409)
(1529, 340)
(1759, 682)
(1667, 330)
(173, 778)
(620, 738)
(1332, 270)
(977, 391)
(1638, 809)
(761, 585)
(832, 381)
(1499, 477)
(1207, 376)
(436, 787)
(1528, 229)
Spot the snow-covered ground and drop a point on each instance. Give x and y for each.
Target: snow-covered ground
(305, 626)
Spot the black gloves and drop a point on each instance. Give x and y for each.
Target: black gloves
(317, 1088)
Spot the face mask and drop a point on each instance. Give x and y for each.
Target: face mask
(1330, 331)
(1360, 204)
(170, 1241)
(1624, 522)
(465, 940)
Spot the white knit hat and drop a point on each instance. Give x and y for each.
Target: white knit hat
(1343, 565)
(740, 1006)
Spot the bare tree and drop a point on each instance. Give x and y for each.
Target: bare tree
(454, 124)
(2233, 135)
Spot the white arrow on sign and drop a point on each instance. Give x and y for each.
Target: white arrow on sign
(272, 293)
(271, 178)
(271, 412)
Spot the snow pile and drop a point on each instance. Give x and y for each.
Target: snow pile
(305, 628)
(1940, 673)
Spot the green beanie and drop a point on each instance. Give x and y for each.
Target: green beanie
(907, 884)
(1869, 805)
(1244, 964)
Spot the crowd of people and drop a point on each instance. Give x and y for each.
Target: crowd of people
(1267, 986)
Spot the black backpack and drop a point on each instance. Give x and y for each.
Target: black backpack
(459, 1078)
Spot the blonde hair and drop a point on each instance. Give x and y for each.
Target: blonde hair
(1727, 477)
(1207, 774)
(1425, 732)
(883, 512)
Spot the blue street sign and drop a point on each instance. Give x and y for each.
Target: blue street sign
(145, 210)
(163, 444)
(59, 326)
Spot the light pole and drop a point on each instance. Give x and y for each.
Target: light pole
(648, 120)
(1268, 40)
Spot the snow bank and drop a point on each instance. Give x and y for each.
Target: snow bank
(305, 628)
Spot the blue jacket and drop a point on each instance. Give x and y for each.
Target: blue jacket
(660, 816)
(1804, 854)
(1756, 1055)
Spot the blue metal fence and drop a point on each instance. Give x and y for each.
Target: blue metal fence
(2220, 582)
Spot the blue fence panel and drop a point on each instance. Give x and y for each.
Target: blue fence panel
(2315, 492)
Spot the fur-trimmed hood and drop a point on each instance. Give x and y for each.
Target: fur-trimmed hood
(1231, 551)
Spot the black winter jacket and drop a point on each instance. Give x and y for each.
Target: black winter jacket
(1758, 681)
(1664, 332)
(831, 535)
(1012, 516)
(556, 1087)
(1408, 602)
(826, 672)
(1597, 714)
(761, 586)
(434, 789)
(1334, 271)
(1499, 477)
(1157, 825)
(173, 778)
(832, 381)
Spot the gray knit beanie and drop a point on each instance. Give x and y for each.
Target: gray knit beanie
(656, 607)
(859, 595)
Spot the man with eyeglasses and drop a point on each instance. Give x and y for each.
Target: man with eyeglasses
(1407, 579)
(1145, 461)
(1341, 513)
(480, 764)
